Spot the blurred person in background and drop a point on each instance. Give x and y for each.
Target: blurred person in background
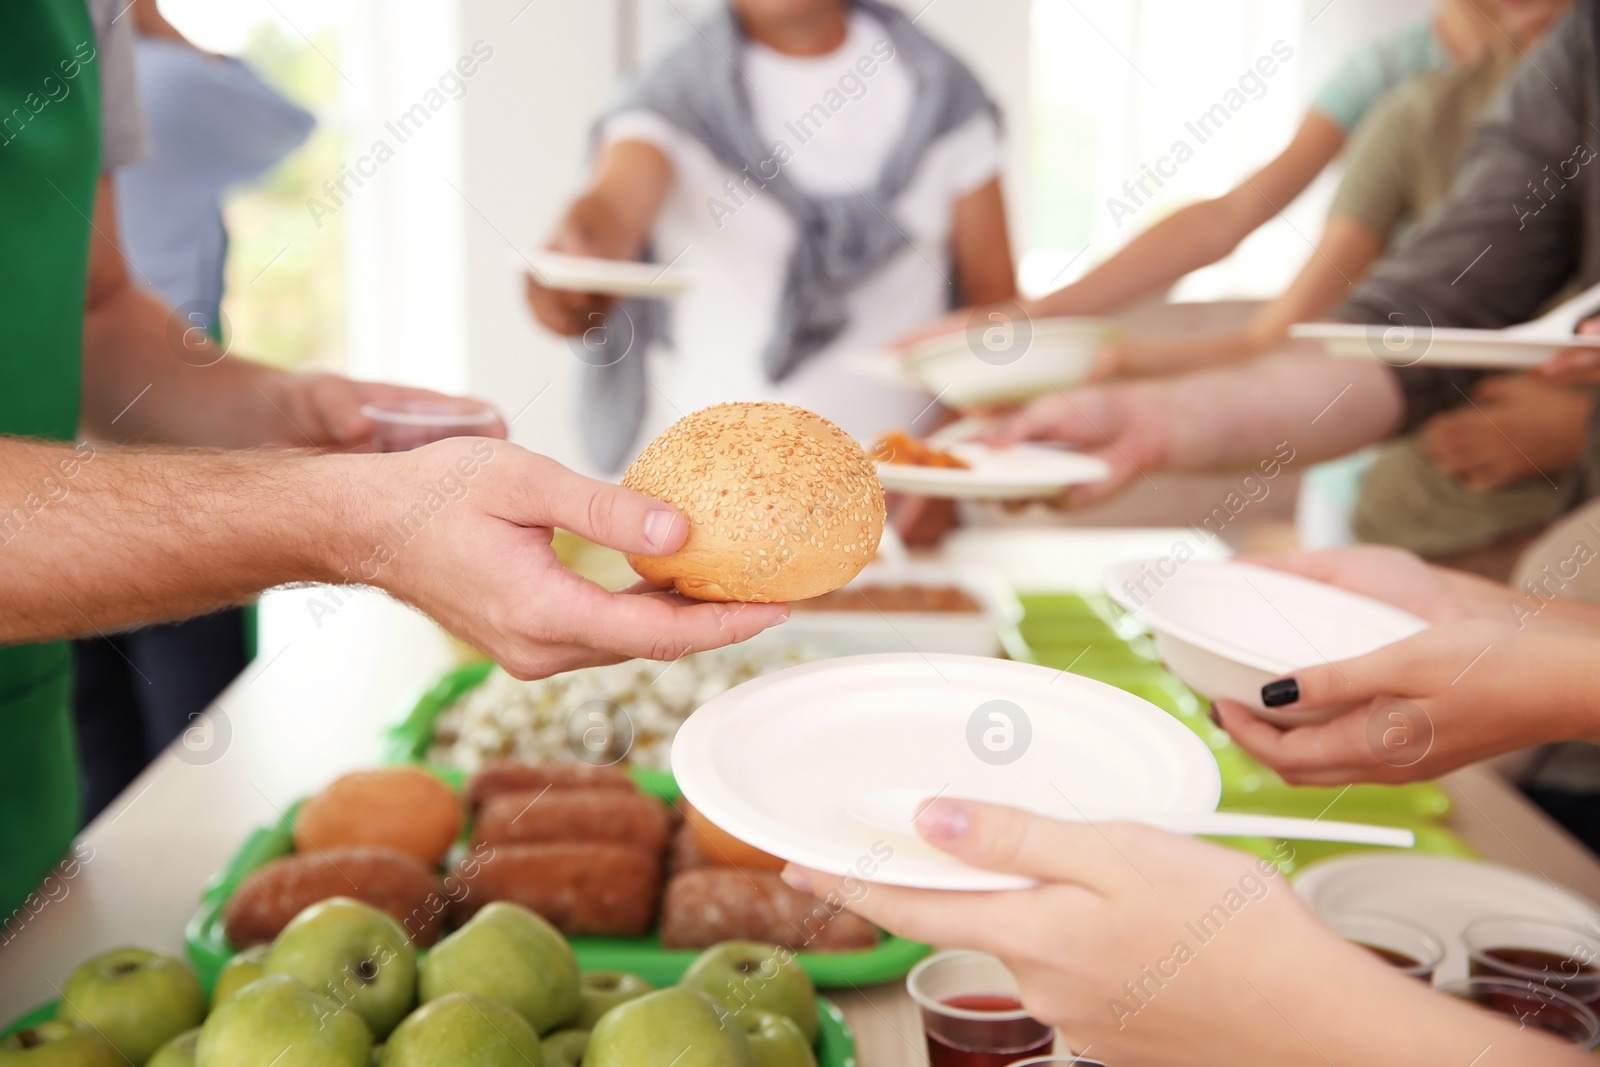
(827, 173)
(1398, 164)
(1200, 234)
(212, 125)
(1483, 475)
(209, 479)
(1489, 256)
(1498, 249)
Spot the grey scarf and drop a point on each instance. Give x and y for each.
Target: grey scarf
(840, 240)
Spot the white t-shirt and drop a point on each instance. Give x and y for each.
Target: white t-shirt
(737, 244)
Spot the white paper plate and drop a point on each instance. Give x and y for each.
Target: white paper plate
(1439, 347)
(1021, 472)
(778, 761)
(1227, 628)
(585, 274)
(1441, 895)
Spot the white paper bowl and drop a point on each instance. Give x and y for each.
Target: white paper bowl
(1226, 629)
(1058, 355)
(1218, 677)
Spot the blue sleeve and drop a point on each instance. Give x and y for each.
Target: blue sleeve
(1364, 78)
(214, 118)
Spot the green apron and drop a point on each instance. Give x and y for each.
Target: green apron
(49, 160)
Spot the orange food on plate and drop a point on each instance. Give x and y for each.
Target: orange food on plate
(901, 448)
(403, 808)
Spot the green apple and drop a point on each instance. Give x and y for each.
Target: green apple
(463, 1030)
(354, 954)
(277, 1022)
(600, 991)
(509, 954)
(179, 1052)
(565, 1048)
(680, 1026)
(137, 999)
(775, 1041)
(58, 1043)
(245, 967)
(750, 975)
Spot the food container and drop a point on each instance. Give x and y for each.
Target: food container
(991, 631)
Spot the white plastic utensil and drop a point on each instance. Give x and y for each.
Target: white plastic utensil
(896, 810)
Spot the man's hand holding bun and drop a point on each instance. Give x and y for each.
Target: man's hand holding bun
(462, 529)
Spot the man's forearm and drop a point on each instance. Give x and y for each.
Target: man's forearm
(149, 375)
(1232, 417)
(96, 537)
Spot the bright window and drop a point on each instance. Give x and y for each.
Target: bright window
(1142, 106)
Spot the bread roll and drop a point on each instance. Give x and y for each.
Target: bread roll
(574, 815)
(782, 504)
(711, 904)
(403, 808)
(277, 891)
(594, 887)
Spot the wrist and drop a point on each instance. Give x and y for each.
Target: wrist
(348, 491)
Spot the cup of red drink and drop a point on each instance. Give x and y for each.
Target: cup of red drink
(1406, 947)
(1532, 1005)
(1557, 955)
(401, 425)
(972, 1013)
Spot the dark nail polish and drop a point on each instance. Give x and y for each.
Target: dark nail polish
(1283, 691)
(1211, 713)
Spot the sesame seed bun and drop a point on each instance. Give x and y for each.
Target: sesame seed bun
(782, 504)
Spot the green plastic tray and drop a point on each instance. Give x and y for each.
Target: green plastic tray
(209, 949)
(836, 1044)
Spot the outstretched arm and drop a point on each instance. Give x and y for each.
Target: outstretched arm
(610, 220)
(981, 246)
(1202, 233)
(152, 374)
(1341, 257)
(1286, 407)
(1452, 695)
(100, 537)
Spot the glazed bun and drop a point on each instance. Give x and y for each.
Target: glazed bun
(782, 504)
